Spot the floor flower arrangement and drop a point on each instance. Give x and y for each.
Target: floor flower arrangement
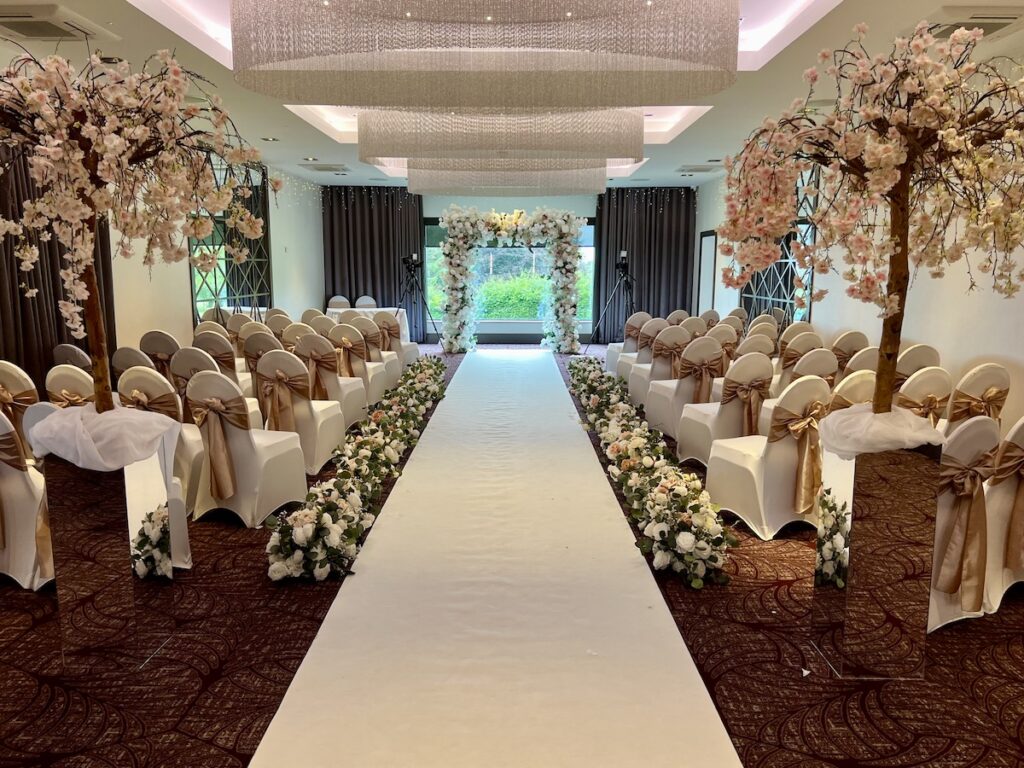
(325, 534)
(151, 547)
(833, 550)
(679, 526)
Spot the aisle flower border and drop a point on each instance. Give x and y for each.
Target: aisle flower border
(151, 547)
(324, 536)
(677, 523)
(468, 228)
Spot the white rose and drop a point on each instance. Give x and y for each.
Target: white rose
(844, 557)
(662, 559)
(648, 462)
(685, 542)
(140, 569)
(826, 551)
(656, 531)
(320, 573)
(699, 569)
(702, 549)
(838, 542)
(828, 568)
(277, 570)
(390, 454)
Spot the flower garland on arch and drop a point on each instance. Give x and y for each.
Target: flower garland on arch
(468, 228)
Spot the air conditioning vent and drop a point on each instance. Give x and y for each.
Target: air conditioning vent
(324, 167)
(689, 170)
(49, 23)
(995, 21)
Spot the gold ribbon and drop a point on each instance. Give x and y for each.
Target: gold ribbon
(804, 429)
(929, 407)
(645, 340)
(729, 349)
(276, 398)
(990, 404)
(252, 359)
(752, 394)
(320, 367)
(236, 340)
(11, 455)
(963, 562)
(165, 404)
(839, 403)
(388, 330)
(162, 362)
(13, 406)
(632, 331)
(346, 349)
(181, 385)
(210, 415)
(372, 338)
(704, 373)
(225, 361)
(782, 346)
(673, 352)
(711, 323)
(843, 357)
(1009, 462)
(66, 399)
(790, 357)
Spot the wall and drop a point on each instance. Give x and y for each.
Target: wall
(297, 246)
(710, 212)
(581, 205)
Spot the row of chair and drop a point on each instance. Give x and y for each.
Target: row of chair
(340, 302)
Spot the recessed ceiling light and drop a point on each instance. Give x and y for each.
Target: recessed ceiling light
(310, 159)
(568, 14)
(408, 14)
(269, 138)
(489, 18)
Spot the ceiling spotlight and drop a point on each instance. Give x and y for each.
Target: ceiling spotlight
(568, 14)
(310, 159)
(269, 138)
(408, 14)
(489, 18)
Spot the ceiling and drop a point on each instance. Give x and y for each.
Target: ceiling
(779, 39)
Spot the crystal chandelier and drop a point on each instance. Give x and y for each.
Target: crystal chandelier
(510, 54)
(513, 180)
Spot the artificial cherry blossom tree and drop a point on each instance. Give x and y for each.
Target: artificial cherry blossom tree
(109, 143)
(922, 166)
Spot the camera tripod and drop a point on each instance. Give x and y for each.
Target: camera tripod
(412, 288)
(627, 284)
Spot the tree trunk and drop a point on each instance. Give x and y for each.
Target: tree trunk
(897, 285)
(97, 337)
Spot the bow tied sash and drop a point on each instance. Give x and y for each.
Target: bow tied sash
(252, 359)
(225, 361)
(989, 403)
(13, 405)
(962, 566)
(372, 339)
(929, 407)
(1009, 463)
(803, 428)
(838, 402)
(645, 340)
(211, 414)
(729, 350)
(181, 385)
(790, 357)
(277, 392)
(704, 373)
(347, 349)
(320, 368)
(165, 404)
(12, 455)
(67, 399)
(671, 352)
(162, 362)
(843, 357)
(632, 331)
(389, 332)
(752, 395)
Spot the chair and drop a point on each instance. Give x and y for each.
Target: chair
(700, 424)
(797, 347)
(216, 315)
(696, 326)
(321, 360)
(250, 472)
(408, 351)
(129, 357)
(160, 347)
(758, 342)
(628, 344)
(274, 312)
(353, 361)
(981, 391)
(322, 324)
(69, 386)
(69, 354)
(961, 523)
(235, 324)
(764, 318)
(711, 318)
(779, 314)
(816, 362)
(739, 312)
(864, 360)
(701, 363)
(223, 353)
(309, 314)
(278, 323)
(913, 359)
(858, 387)
(644, 341)
(147, 390)
(186, 363)
(374, 345)
(666, 352)
(256, 346)
(348, 315)
(677, 316)
(208, 326)
(1005, 503)
(338, 302)
(926, 393)
(284, 386)
(755, 477)
(251, 327)
(292, 334)
(787, 336)
(26, 555)
(766, 329)
(366, 302)
(17, 394)
(846, 346)
(725, 335)
(733, 322)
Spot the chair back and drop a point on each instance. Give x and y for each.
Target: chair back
(17, 394)
(803, 397)
(927, 393)
(764, 318)
(282, 379)
(390, 330)
(309, 314)
(795, 351)
(757, 342)
(209, 387)
(733, 322)
(348, 314)
(250, 328)
(645, 341)
(706, 353)
(68, 385)
(220, 349)
(779, 314)
(846, 345)
(668, 346)
(818, 362)
(291, 334)
(338, 302)
(631, 332)
(258, 345)
(322, 325)
(913, 359)
(208, 326)
(792, 331)
(366, 302)
(981, 391)
(677, 316)
(768, 330)
(751, 368)
(16, 485)
(371, 335)
(69, 354)
(277, 324)
(216, 315)
(160, 347)
(711, 317)
(324, 384)
(858, 387)
(236, 321)
(724, 334)
(695, 325)
(274, 312)
(739, 312)
(157, 393)
(129, 357)
(343, 332)
(864, 360)
(186, 363)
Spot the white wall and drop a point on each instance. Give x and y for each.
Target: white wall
(710, 212)
(581, 205)
(297, 246)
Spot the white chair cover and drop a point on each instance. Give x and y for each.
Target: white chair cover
(69, 386)
(353, 354)
(666, 352)
(645, 342)
(160, 347)
(208, 326)
(338, 302)
(321, 360)
(69, 354)
(702, 360)
(1005, 503)
(913, 359)
(631, 333)
(926, 393)
(981, 391)
(372, 336)
(274, 312)
(128, 357)
(366, 302)
(26, 554)
(309, 314)
(677, 316)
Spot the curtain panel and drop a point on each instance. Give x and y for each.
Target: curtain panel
(656, 226)
(31, 328)
(367, 233)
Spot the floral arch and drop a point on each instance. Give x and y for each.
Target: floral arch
(467, 228)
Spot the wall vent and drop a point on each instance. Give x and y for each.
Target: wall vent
(49, 22)
(324, 167)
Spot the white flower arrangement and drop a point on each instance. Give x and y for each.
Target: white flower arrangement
(151, 547)
(679, 526)
(833, 556)
(324, 536)
(561, 231)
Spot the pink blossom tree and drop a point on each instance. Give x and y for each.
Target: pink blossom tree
(109, 143)
(922, 166)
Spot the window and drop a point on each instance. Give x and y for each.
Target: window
(235, 287)
(512, 282)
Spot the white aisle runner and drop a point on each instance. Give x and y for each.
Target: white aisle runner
(500, 614)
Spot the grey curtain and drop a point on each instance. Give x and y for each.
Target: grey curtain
(31, 328)
(367, 233)
(656, 226)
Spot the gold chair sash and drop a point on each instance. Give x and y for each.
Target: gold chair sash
(210, 415)
(12, 455)
(225, 361)
(252, 359)
(962, 566)
(790, 357)
(162, 362)
(372, 339)
(1009, 462)
(752, 395)
(388, 331)
(276, 396)
(729, 349)
(782, 347)
(66, 399)
(898, 380)
(165, 404)
(672, 352)
(645, 340)
(990, 404)
(704, 374)
(346, 349)
(711, 323)
(929, 407)
(181, 385)
(13, 405)
(804, 429)
(632, 331)
(843, 357)
(236, 341)
(839, 403)
(320, 367)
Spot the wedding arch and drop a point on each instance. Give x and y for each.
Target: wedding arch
(468, 228)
